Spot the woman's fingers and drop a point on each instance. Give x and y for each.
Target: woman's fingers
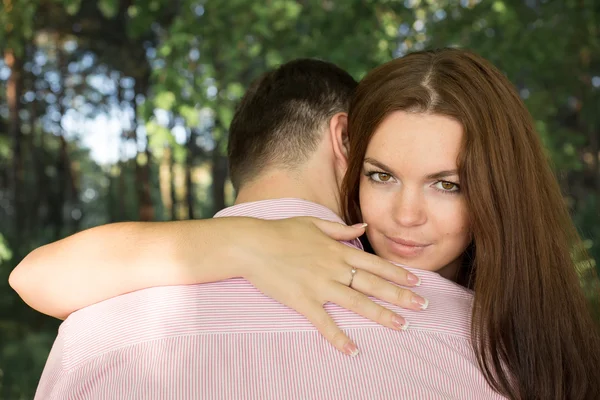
(359, 303)
(380, 267)
(317, 315)
(338, 231)
(375, 286)
(360, 259)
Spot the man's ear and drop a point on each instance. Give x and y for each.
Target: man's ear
(338, 129)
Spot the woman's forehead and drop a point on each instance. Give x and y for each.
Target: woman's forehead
(427, 141)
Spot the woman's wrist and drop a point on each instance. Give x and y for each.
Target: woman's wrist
(228, 247)
(245, 238)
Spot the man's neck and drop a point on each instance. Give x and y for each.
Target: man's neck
(278, 185)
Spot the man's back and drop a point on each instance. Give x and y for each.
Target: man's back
(225, 340)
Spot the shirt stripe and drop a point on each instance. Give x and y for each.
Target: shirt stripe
(226, 340)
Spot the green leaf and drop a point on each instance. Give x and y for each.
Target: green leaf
(190, 114)
(159, 137)
(133, 11)
(5, 252)
(499, 7)
(225, 116)
(165, 50)
(179, 153)
(5, 147)
(235, 90)
(72, 6)
(108, 8)
(165, 100)
(274, 58)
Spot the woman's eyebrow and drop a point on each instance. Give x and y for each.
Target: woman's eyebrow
(435, 175)
(377, 164)
(443, 174)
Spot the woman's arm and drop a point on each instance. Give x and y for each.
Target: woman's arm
(110, 260)
(294, 261)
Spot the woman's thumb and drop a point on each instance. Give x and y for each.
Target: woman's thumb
(339, 231)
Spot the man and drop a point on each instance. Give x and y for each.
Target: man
(226, 340)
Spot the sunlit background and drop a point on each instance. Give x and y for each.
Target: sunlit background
(115, 110)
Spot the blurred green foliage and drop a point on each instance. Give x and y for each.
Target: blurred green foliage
(170, 73)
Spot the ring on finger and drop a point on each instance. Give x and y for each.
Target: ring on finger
(353, 272)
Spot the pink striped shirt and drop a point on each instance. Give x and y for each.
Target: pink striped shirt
(226, 340)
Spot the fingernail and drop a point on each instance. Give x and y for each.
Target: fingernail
(420, 301)
(361, 225)
(399, 323)
(413, 280)
(351, 349)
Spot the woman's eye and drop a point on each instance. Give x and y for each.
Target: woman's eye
(447, 186)
(381, 177)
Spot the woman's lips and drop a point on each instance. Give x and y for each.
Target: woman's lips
(405, 248)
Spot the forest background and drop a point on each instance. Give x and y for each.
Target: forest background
(115, 110)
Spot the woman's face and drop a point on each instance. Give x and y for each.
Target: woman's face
(410, 192)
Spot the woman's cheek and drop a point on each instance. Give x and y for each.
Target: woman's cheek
(363, 200)
(452, 219)
(368, 203)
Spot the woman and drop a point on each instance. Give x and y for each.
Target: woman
(447, 171)
(531, 331)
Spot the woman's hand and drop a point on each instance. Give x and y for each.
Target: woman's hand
(300, 263)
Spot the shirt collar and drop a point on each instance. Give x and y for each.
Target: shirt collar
(284, 208)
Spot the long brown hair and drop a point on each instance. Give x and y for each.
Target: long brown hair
(532, 332)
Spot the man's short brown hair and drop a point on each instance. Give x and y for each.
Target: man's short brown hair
(280, 118)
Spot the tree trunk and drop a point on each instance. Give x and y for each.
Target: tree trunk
(112, 201)
(219, 176)
(4, 164)
(146, 208)
(122, 192)
(14, 90)
(189, 165)
(121, 202)
(172, 185)
(62, 165)
(72, 186)
(595, 150)
(142, 173)
(38, 202)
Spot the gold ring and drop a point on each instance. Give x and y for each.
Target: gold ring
(353, 272)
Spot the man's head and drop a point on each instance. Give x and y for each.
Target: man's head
(284, 116)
